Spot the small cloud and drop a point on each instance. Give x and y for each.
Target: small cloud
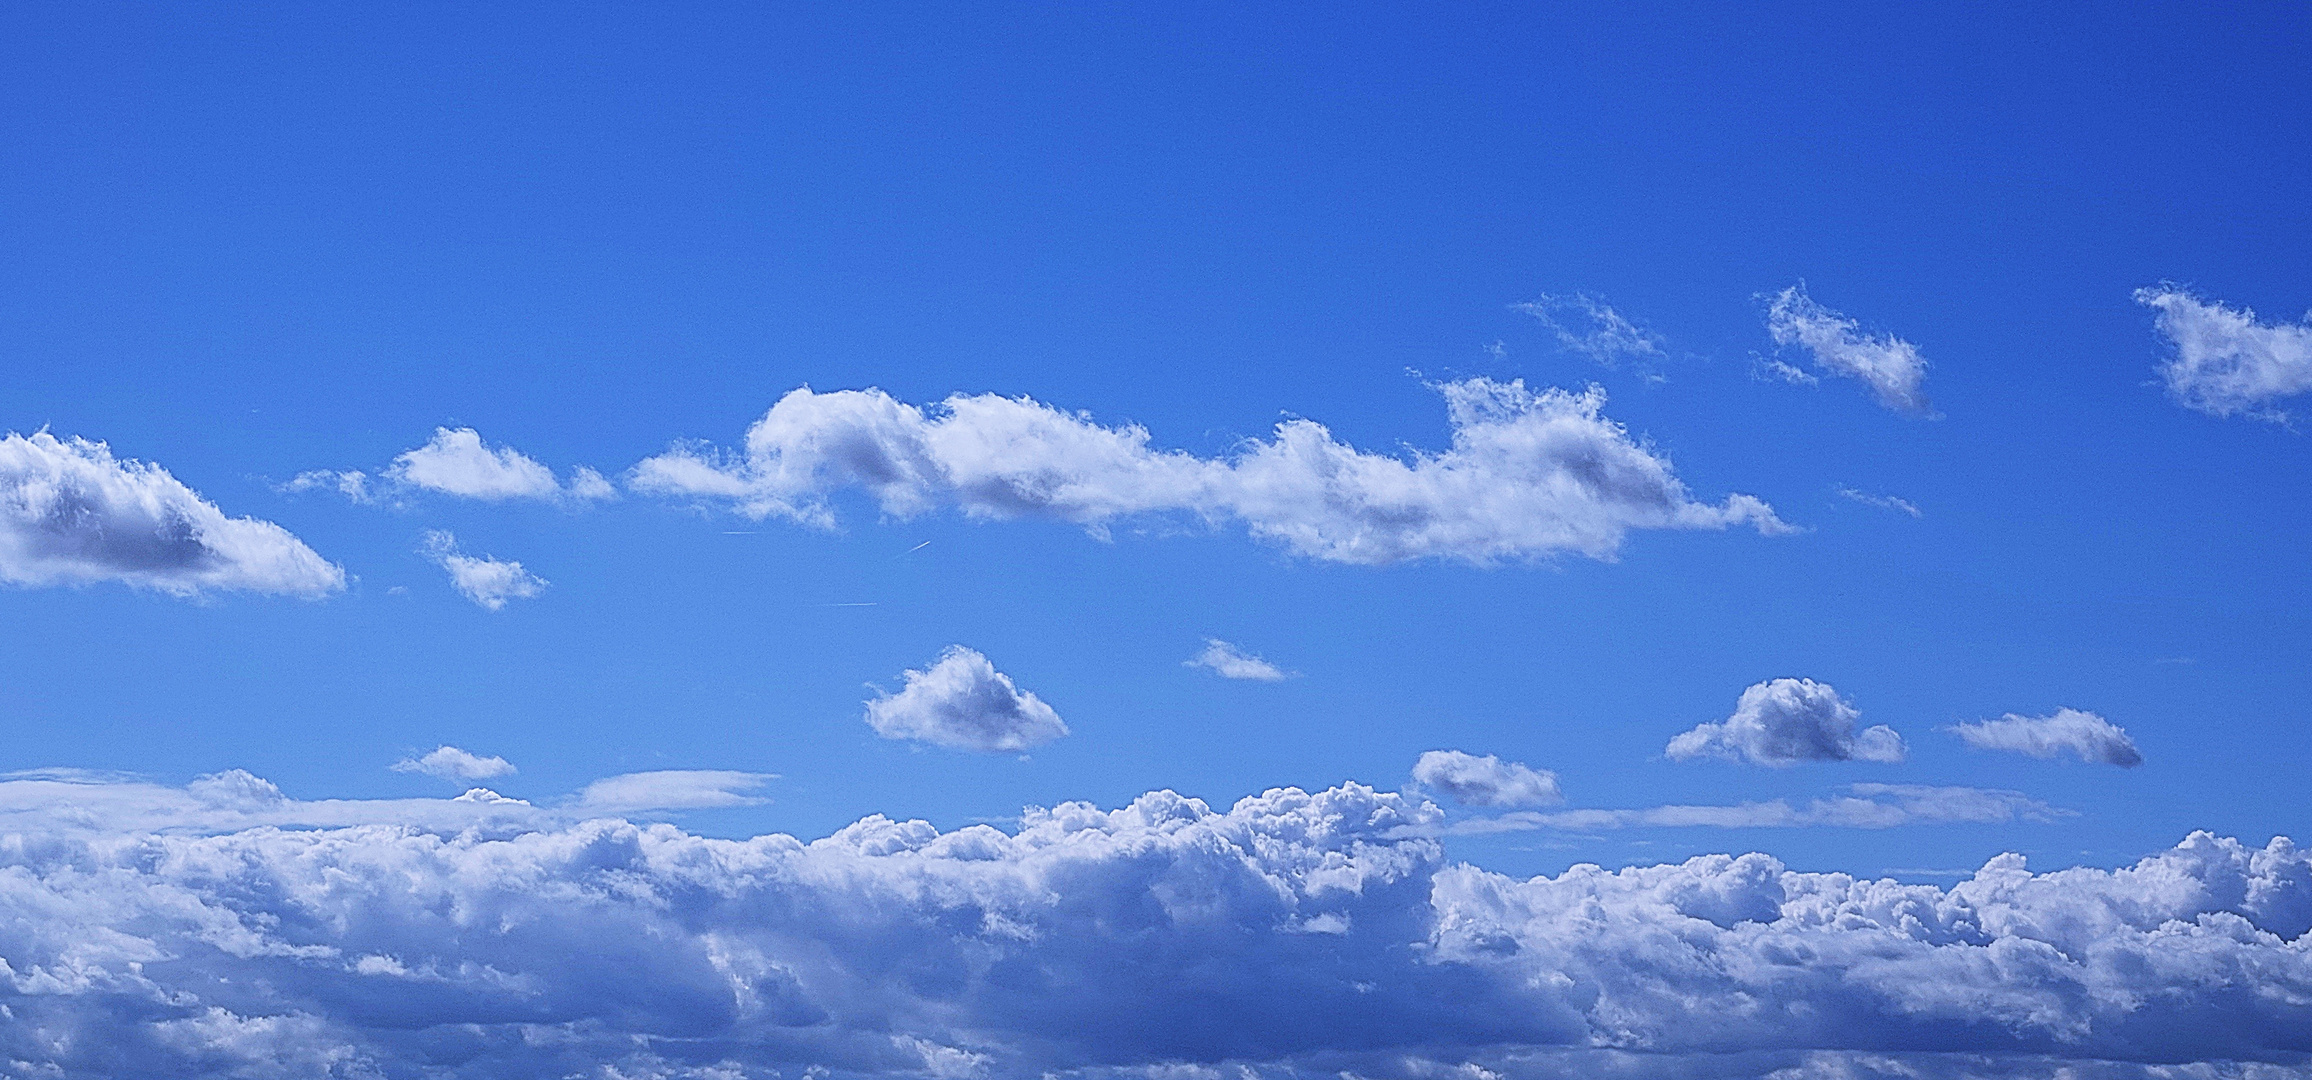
(963, 703)
(1765, 370)
(2082, 734)
(1890, 366)
(1587, 325)
(451, 763)
(456, 461)
(486, 797)
(1230, 662)
(1486, 781)
(672, 789)
(485, 581)
(1883, 502)
(2223, 361)
(1785, 721)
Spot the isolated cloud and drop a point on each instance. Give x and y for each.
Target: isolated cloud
(1485, 781)
(1529, 475)
(1883, 502)
(671, 789)
(1587, 325)
(485, 581)
(1295, 934)
(2083, 734)
(451, 763)
(2224, 362)
(963, 703)
(1890, 366)
(457, 462)
(1785, 721)
(1866, 806)
(1230, 662)
(71, 513)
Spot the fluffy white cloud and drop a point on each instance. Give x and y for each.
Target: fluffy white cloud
(1294, 934)
(485, 581)
(2090, 737)
(457, 462)
(1785, 721)
(451, 763)
(1890, 366)
(1486, 781)
(962, 702)
(1529, 475)
(1587, 325)
(1866, 806)
(71, 513)
(2225, 363)
(1230, 662)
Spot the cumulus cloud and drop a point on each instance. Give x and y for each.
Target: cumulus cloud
(1785, 721)
(71, 513)
(457, 462)
(1866, 806)
(1587, 325)
(2224, 362)
(963, 703)
(1485, 781)
(1890, 366)
(1293, 934)
(1230, 662)
(672, 789)
(1529, 475)
(485, 581)
(451, 763)
(1883, 502)
(2083, 734)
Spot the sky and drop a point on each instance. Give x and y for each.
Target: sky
(906, 491)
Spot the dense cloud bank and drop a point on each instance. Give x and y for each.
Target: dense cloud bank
(1294, 934)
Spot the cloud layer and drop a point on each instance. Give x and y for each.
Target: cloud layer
(2082, 734)
(1529, 475)
(2224, 362)
(1865, 806)
(486, 581)
(71, 514)
(1230, 662)
(1485, 781)
(1890, 366)
(963, 703)
(1293, 934)
(1786, 721)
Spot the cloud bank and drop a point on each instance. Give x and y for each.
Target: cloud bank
(1866, 806)
(1230, 662)
(2224, 362)
(457, 462)
(451, 763)
(2082, 734)
(71, 514)
(1529, 475)
(1485, 781)
(1294, 934)
(1890, 366)
(485, 581)
(1786, 721)
(963, 703)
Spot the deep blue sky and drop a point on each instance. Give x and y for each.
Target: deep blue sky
(248, 243)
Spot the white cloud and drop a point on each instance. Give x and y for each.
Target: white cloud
(672, 789)
(1587, 325)
(1883, 502)
(962, 702)
(2083, 734)
(1785, 721)
(71, 514)
(1108, 944)
(1890, 366)
(451, 763)
(1230, 662)
(485, 581)
(1486, 781)
(1867, 806)
(2224, 362)
(1529, 475)
(456, 461)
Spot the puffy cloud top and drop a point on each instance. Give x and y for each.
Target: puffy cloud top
(1230, 662)
(962, 702)
(1785, 721)
(2083, 734)
(457, 462)
(1890, 366)
(1486, 781)
(487, 581)
(1529, 475)
(2225, 363)
(71, 513)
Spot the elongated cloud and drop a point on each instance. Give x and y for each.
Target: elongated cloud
(2223, 361)
(2082, 734)
(71, 514)
(1890, 366)
(451, 763)
(1230, 662)
(457, 462)
(486, 581)
(1587, 325)
(1529, 475)
(1294, 934)
(963, 703)
(1866, 806)
(1786, 721)
(1485, 781)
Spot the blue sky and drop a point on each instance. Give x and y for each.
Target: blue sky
(256, 244)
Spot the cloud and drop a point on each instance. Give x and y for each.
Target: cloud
(457, 462)
(1486, 781)
(2224, 362)
(963, 703)
(71, 514)
(1867, 806)
(1529, 475)
(1890, 366)
(2084, 734)
(1291, 934)
(1587, 325)
(1785, 721)
(672, 789)
(451, 763)
(1883, 502)
(1230, 662)
(485, 581)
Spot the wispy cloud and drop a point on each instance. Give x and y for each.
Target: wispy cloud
(486, 581)
(451, 763)
(2223, 361)
(1866, 806)
(1883, 502)
(2082, 734)
(1230, 662)
(1588, 326)
(1786, 721)
(963, 703)
(1893, 368)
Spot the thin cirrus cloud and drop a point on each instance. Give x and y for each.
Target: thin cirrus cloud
(452, 763)
(962, 702)
(1787, 721)
(1485, 781)
(146, 940)
(72, 514)
(2223, 361)
(1883, 502)
(1529, 475)
(486, 581)
(1587, 325)
(1893, 368)
(456, 461)
(1231, 662)
(2081, 734)
(1865, 806)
